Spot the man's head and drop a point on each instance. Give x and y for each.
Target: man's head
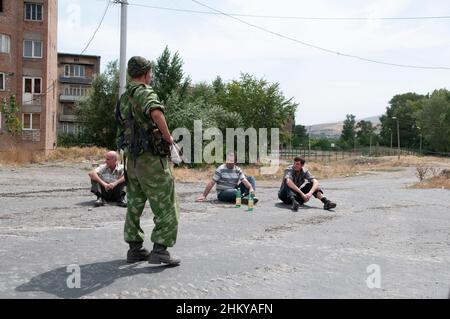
(140, 69)
(111, 159)
(230, 160)
(298, 163)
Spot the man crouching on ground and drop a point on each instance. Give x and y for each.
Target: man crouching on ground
(108, 181)
(292, 192)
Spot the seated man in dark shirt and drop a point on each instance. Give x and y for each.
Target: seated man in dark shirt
(295, 192)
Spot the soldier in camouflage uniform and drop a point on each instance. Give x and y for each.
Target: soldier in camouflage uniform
(149, 176)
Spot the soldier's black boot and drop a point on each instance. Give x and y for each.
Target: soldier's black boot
(137, 253)
(160, 255)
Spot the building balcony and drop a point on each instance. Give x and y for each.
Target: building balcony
(70, 98)
(67, 118)
(75, 80)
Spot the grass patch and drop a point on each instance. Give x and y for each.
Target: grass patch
(18, 157)
(441, 182)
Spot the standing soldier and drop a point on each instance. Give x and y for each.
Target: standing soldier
(139, 114)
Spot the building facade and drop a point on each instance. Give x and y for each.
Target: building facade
(75, 75)
(28, 70)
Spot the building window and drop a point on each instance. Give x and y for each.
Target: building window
(32, 49)
(2, 82)
(31, 121)
(33, 11)
(32, 85)
(1, 9)
(74, 70)
(4, 43)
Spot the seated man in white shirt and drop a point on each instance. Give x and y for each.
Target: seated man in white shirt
(108, 181)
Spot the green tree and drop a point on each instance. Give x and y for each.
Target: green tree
(365, 131)
(10, 111)
(321, 143)
(404, 107)
(168, 76)
(434, 120)
(261, 104)
(348, 134)
(97, 111)
(300, 136)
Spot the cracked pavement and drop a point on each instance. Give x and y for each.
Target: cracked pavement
(48, 222)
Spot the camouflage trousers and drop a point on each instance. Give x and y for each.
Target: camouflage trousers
(150, 178)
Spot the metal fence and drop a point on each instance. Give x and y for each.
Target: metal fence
(334, 155)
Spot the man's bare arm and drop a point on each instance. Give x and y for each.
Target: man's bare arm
(94, 176)
(208, 188)
(248, 185)
(294, 187)
(119, 181)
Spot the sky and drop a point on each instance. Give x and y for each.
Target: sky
(327, 86)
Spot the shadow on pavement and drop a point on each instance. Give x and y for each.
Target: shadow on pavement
(93, 277)
(288, 207)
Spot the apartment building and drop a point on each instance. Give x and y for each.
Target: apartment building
(28, 70)
(75, 75)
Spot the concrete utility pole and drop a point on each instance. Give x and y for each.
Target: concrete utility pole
(123, 45)
(420, 136)
(398, 135)
(309, 141)
(391, 140)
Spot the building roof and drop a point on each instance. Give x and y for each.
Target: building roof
(76, 54)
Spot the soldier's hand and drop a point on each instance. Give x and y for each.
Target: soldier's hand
(201, 199)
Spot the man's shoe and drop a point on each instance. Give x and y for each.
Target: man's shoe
(137, 253)
(295, 205)
(160, 255)
(122, 202)
(99, 202)
(244, 200)
(329, 205)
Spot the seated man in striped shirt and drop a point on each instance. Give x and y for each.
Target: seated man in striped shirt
(229, 177)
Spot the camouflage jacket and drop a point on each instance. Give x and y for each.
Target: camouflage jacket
(142, 102)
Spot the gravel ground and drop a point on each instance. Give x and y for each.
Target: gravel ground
(383, 240)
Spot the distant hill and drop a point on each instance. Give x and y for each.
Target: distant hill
(334, 130)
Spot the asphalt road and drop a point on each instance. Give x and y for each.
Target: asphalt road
(384, 240)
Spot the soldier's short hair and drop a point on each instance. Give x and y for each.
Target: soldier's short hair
(138, 66)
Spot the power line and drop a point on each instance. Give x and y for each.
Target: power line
(98, 27)
(321, 48)
(292, 17)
